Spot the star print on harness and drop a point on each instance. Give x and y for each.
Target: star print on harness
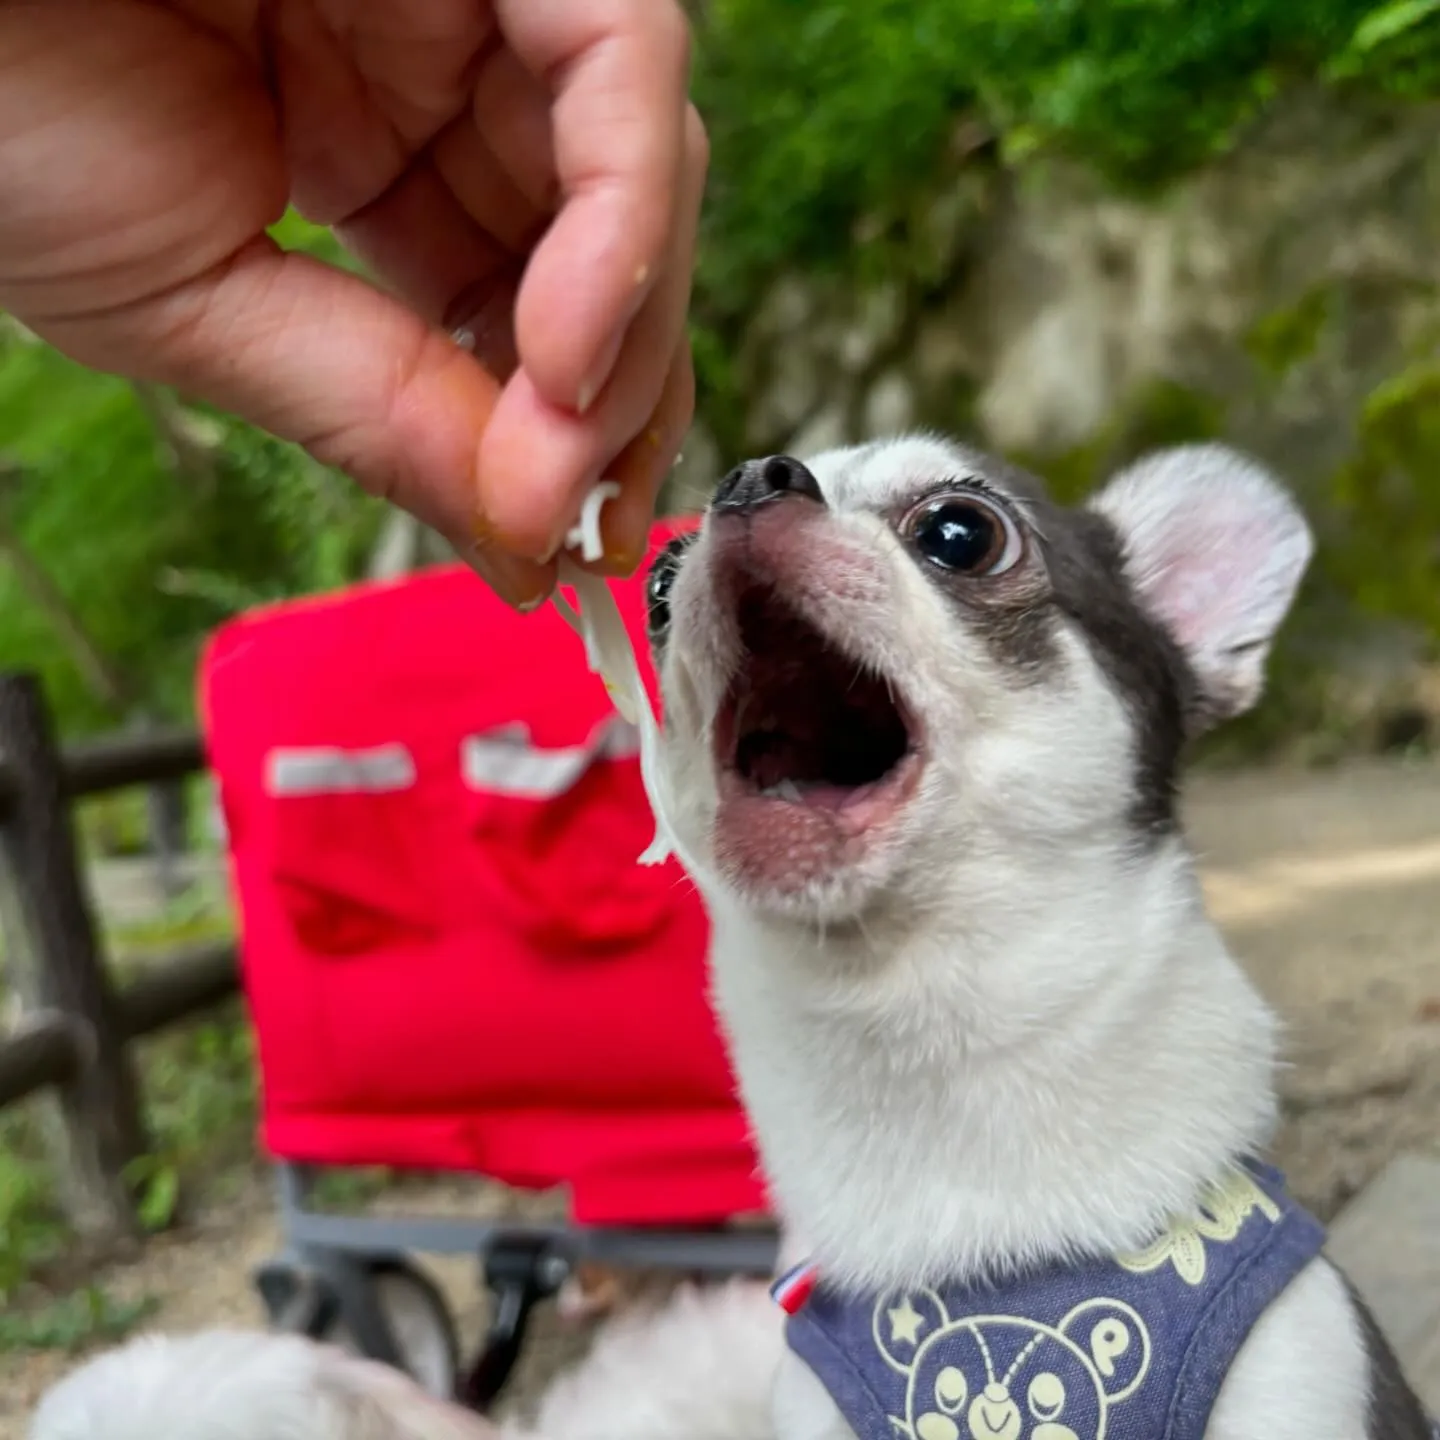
(1130, 1348)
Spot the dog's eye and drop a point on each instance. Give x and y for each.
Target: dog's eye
(965, 534)
(662, 581)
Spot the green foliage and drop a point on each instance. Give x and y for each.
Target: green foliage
(200, 1108)
(348, 1190)
(1388, 23)
(1286, 338)
(1387, 501)
(1158, 414)
(823, 112)
(82, 1318)
(198, 1086)
(829, 118)
(155, 1180)
(293, 232)
(31, 1233)
(1398, 42)
(200, 1112)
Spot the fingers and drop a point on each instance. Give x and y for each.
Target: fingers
(584, 99)
(341, 151)
(511, 109)
(318, 356)
(362, 87)
(640, 470)
(468, 161)
(618, 70)
(538, 462)
(420, 240)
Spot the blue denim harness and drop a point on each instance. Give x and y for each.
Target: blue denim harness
(1130, 1348)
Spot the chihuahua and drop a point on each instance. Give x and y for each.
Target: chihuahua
(922, 734)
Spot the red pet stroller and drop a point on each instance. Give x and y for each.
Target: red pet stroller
(454, 963)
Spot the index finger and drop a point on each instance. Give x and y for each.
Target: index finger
(619, 72)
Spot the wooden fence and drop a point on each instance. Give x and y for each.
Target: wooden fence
(75, 1024)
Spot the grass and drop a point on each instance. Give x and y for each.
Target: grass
(198, 1090)
(81, 1318)
(200, 1105)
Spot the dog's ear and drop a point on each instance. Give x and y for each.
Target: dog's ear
(1215, 550)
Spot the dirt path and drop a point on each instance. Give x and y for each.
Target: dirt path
(1329, 886)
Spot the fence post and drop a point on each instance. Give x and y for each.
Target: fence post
(54, 962)
(165, 811)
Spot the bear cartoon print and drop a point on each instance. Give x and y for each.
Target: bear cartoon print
(1130, 1346)
(998, 1377)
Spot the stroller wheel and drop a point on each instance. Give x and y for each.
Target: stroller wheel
(413, 1310)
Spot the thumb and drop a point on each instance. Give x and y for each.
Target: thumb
(316, 355)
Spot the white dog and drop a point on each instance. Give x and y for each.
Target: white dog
(922, 733)
(922, 736)
(244, 1385)
(696, 1366)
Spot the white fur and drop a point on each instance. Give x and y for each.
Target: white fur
(243, 1385)
(697, 1368)
(1008, 1033)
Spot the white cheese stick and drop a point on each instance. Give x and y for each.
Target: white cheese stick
(596, 619)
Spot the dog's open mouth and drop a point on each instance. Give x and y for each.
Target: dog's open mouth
(806, 725)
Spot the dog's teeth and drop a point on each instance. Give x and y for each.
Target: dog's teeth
(783, 790)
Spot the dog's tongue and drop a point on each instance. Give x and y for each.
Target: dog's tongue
(820, 796)
(776, 763)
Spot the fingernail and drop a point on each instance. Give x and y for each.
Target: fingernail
(487, 545)
(555, 544)
(625, 562)
(626, 540)
(594, 382)
(518, 583)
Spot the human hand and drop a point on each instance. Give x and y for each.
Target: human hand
(527, 171)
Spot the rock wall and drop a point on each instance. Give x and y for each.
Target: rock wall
(1266, 299)
(1279, 286)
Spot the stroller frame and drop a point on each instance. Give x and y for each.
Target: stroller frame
(326, 1277)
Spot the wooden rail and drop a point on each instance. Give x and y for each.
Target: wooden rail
(76, 1026)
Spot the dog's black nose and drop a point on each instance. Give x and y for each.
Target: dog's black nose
(755, 482)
